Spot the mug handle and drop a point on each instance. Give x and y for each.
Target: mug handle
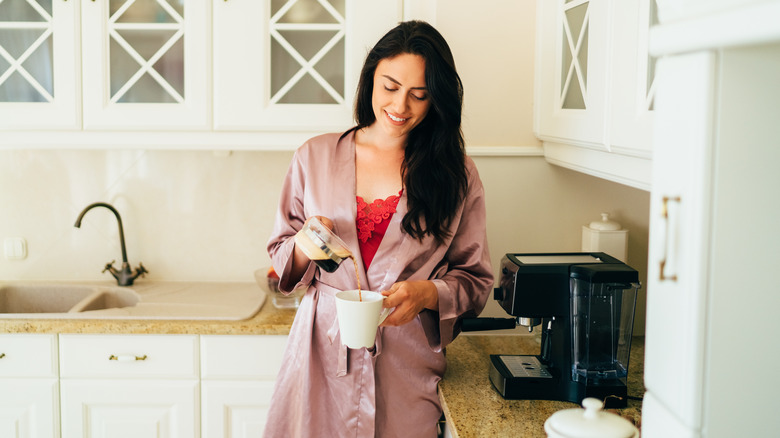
(384, 313)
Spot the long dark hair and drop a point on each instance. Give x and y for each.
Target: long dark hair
(433, 172)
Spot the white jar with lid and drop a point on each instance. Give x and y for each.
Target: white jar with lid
(605, 236)
(591, 422)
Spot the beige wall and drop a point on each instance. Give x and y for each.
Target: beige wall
(493, 45)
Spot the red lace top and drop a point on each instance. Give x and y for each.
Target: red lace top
(372, 222)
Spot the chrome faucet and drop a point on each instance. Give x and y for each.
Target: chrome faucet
(124, 276)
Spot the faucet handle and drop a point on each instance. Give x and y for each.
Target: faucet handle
(109, 267)
(140, 271)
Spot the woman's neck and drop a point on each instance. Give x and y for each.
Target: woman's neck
(375, 137)
(377, 166)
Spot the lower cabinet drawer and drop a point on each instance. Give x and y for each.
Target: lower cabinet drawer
(241, 356)
(28, 355)
(129, 356)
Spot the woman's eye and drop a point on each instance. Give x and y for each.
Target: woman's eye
(390, 89)
(423, 97)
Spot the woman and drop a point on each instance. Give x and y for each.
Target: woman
(401, 193)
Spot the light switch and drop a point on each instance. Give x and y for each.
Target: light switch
(15, 248)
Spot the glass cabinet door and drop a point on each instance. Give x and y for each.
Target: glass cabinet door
(38, 56)
(572, 70)
(634, 72)
(145, 63)
(292, 64)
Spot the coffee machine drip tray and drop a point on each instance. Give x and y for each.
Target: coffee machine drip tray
(524, 378)
(525, 366)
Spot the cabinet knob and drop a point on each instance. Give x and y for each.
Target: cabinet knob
(2, 355)
(126, 357)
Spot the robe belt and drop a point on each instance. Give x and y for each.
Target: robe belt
(334, 330)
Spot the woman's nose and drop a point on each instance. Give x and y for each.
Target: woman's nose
(401, 103)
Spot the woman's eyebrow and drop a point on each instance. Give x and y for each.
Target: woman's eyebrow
(398, 83)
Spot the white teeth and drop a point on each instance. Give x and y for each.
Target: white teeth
(395, 119)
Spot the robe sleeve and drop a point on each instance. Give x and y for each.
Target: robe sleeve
(465, 277)
(290, 217)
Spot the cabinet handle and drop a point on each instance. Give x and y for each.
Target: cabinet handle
(126, 358)
(665, 214)
(2, 355)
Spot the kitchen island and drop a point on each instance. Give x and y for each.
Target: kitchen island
(473, 408)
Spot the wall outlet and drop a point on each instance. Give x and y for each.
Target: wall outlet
(15, 248)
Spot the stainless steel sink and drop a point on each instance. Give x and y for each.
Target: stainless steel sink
(54, 298)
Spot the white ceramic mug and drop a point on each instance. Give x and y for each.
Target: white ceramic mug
(358, 320)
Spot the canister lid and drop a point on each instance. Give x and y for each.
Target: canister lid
(590, 422)
(604, 224)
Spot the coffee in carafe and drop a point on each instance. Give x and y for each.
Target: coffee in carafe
(321, 246)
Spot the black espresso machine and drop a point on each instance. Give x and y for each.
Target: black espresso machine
(584, 303)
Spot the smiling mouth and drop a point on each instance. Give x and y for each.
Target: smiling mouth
(396, 119)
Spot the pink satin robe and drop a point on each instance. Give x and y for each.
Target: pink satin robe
(325, 389)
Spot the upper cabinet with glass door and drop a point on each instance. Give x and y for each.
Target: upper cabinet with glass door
(633, 79)
(146, 63)
(572, 63)
(182, 73)
(293, 64)
(39, 64)
(594, 89)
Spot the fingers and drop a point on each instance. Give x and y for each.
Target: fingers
(409, 298)
(325, 221)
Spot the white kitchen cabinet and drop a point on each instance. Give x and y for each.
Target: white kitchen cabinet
(632, 79)
(145, 64)
(677, 10)
(39, 64)
(293, 65)
(572, 63)
(140, 65)
(132, 386)
(593, 107)
(237, 379)
(195, 74)
(711, 303)
(29, 405)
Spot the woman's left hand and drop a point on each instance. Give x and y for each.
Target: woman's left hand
(409, 298)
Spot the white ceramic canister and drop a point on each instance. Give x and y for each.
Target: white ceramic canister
(591, 422)
(605, 236)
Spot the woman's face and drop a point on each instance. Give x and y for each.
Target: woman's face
(400, 98)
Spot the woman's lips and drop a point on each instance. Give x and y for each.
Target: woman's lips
(396, 119)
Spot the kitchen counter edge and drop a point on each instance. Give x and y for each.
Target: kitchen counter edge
(268, 321)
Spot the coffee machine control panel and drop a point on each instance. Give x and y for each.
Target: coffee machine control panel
(529, 281)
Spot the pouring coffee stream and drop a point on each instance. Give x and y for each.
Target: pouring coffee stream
(324, 248)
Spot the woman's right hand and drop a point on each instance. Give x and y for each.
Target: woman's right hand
(325, 221)
(300, 259)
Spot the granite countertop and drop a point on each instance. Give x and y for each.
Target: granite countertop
(473, 408)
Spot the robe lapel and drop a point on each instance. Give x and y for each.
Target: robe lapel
(345, 207)
(386, 266)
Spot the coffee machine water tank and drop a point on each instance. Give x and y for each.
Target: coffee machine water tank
(603, 298)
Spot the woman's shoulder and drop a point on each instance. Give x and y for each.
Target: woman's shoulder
(471, 168)
(325, 144)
